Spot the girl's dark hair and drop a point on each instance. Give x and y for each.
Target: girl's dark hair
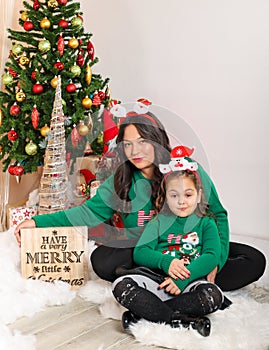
(152, 130)
(161, 203)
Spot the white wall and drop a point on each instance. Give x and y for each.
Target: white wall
(208, 62)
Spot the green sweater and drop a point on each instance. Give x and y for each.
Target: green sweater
(167, 237)
(101, 207)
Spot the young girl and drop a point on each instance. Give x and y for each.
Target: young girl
(182, 244)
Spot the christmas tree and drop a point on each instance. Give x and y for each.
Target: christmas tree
(52, 43)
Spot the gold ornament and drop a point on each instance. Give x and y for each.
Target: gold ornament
(45, 23)
(88, 74)
(86, 102)
(24, 16)
(1, 117)
(83, 130)
(100, 138)
(31, 148)
(108, 93)
(73, 43)
(24, 60)
(20, 96)
(54, 82)
(44, 130)
(1, 149)
(53, 4)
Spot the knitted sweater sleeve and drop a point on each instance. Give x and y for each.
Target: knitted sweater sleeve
(219, 212)
(91, 213)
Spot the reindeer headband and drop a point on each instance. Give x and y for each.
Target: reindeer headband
(140, 108)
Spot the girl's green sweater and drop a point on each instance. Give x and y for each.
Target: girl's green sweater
(167, 237)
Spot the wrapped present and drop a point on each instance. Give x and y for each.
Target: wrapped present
(19, 214)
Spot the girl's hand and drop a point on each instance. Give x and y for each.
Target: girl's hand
(177, 269)
(24, 224)
(170, 286)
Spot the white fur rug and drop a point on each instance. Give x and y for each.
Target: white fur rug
(245, 325)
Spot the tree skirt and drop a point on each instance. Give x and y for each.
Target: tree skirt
(242, 326)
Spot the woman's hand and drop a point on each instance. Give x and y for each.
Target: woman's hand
(212, 275)
(177, 269)
(170, 286)
(24, 224)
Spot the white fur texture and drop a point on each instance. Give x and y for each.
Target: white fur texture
(21, 297)
(243, 326)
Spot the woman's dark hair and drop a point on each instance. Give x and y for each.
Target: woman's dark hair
(152, 130)
(161, 203)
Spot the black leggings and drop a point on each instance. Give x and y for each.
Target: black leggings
(203, 299)
(244, 265)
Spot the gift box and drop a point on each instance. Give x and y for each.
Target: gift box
(19, 214)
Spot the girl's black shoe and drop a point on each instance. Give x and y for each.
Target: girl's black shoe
(127, 318)
(201, 324)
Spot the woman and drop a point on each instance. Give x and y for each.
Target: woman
(142, 145)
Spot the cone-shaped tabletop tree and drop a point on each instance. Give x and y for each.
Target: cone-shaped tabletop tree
(52, 42)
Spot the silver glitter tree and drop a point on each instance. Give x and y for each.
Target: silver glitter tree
(53, 183)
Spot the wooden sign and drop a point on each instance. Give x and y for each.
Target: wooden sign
(55, 253)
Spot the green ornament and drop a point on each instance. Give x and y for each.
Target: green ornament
(44, 46)
(75, 70)
(7, 79)
(76, 22)
(31, 148)
(17, 49)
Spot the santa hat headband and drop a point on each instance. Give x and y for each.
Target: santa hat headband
(179, 162)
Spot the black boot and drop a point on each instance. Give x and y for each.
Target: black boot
(201, 324)
(128, 318)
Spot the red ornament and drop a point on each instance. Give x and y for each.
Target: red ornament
(11, 169)
(63, 23)
(15, 110)
(59, 65)
(37, 88)
(62, 2)
(102, 95)
(12, 72)
(80, 60)
(75, 136)
(90, 49)
(33, 75)
(96, 100)
(60, 45)
(18, 170)
(70, 88)
(12, 135)
(36, 5)
(35, 117)
(28, 25)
